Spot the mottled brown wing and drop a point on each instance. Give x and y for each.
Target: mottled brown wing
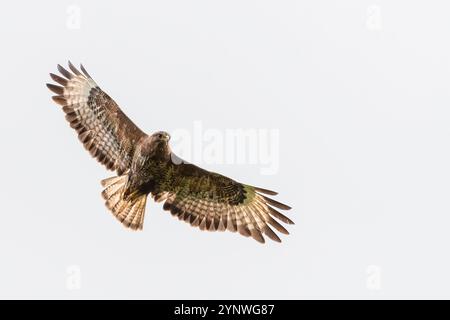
(105, 131)
(214, 202)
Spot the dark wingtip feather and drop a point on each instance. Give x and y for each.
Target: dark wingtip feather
(277, 204)
(257, 236)
(278, 226)
(56, 89)
(59, 79)
(272, 235)
(74, 70)
(60, 100)
(265, 191)
(260, 240)
(85, 72)
(167, 206)
(64, 72)
(280, 216)
(244, 230)
(216, 223)
(175, 211)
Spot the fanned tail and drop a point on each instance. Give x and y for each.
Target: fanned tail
(130, 211)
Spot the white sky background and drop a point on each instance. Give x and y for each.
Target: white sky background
(358, 90)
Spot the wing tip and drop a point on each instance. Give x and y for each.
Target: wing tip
(257, 235)
(84, 71)
(59, 100)
(271, 234)
(54, 88)
(266, 191)
(64, 72)
(277, 204)
(59, 79)
(73, 68)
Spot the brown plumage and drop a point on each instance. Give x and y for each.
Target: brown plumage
(145, 165)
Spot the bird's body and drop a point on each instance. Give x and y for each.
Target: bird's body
(150, 158)
(145, 165)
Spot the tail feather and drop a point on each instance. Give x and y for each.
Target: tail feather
(130, 211)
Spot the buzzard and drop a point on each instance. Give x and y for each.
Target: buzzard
(145, 165)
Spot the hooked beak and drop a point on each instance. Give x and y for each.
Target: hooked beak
(166, 137)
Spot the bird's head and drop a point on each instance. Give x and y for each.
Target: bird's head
(160, 137)
(159, 144)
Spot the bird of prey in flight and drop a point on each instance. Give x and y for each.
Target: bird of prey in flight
(145, 165)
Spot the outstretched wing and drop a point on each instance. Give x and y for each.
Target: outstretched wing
(214, 202)
(105, 131)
